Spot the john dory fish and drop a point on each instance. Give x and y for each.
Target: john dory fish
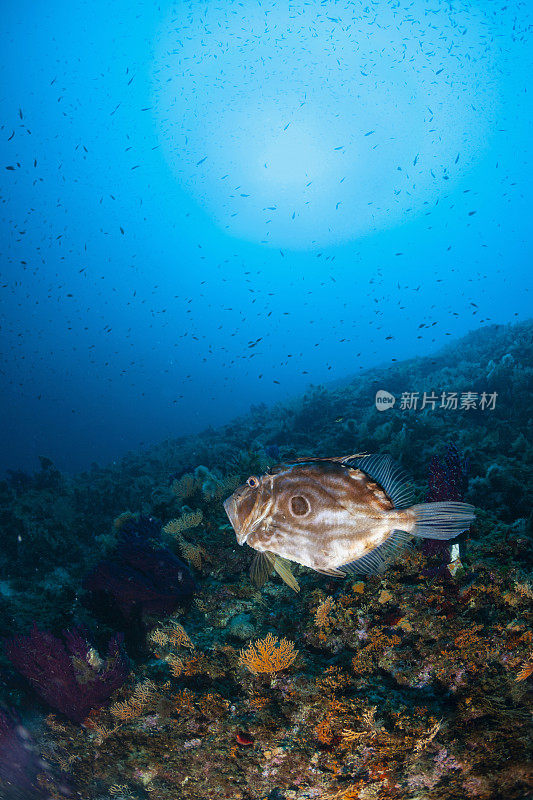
(340, 515)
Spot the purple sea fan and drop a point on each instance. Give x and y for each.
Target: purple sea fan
(447, 481)
(69, 676)
(447, 476)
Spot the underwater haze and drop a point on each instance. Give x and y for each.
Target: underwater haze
(266, 380)
(208, 205)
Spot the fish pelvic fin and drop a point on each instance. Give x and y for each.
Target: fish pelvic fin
(260, 569)
(263, 565)
(443, 520)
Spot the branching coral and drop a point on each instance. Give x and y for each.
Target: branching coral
(378, 648)
(194, 553)
(268, 655)
(134, 705)
(190, 519)
(168, 638)
(185, 486)
(211, 485)
(216, 487)
(322, 614)
(526, 669)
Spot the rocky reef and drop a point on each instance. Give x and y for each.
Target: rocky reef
(415, 684)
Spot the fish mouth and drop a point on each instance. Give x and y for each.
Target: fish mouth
(230, 507)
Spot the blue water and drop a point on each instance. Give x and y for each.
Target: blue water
(205, 206)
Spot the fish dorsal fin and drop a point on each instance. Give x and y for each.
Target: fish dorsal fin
(390, 476)
(315, 460)
(262, 567)
(379, 558)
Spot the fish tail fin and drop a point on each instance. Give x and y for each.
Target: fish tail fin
(443, 520)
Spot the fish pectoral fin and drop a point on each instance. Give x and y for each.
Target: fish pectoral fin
(335, 573)
(260, 569)
(376, 560)
(284, 571)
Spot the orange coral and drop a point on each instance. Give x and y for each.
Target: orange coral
(324, 732)
(188, 520)
(322, 618)
(368, 656)
(194, 553)
(525, 670)
(268, 655)
(176, 665)
(257, 702)
(195, 665)
(134, 706)
(213, 705)
(179, 637)
(332, 679)
(159, 637)
(184, 701)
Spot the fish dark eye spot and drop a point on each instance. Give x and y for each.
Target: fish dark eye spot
(299, 505)
(253, 481)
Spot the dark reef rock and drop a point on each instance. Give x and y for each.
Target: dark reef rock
(138, 578)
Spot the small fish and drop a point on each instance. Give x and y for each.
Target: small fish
(340, 515)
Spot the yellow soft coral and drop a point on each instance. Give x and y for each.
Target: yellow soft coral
(134, 706)
(188, 520)
(215, 487)
(194, 553)
(268, 655)
(186, 486)
(179, 637)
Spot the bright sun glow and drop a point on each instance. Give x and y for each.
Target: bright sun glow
(328, 132)
(293, 157)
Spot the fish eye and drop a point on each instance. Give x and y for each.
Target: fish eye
(253, 481)
(299, 505)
